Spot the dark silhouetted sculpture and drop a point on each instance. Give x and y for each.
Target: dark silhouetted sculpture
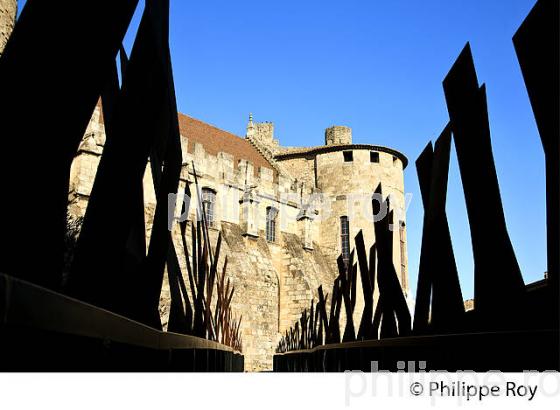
(513, 327)
(438, 292)
(498, 284)
(537, 43)
(56, 63)
(112, 321)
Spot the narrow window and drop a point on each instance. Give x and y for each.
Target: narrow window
(348, 156)
(402, 235)
(374, 157)
(271, 214)
(345, 238)
(395, 159)
(208, 202)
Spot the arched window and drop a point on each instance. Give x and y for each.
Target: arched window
(345, 238)
(271, 214)
(208, 202)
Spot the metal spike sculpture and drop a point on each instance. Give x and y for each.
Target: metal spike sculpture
(503, 305)
(76, 60)
(438, 290)
(142, 274)
(391, 318)
(112, 266)
(348, 287)
(537, 43)
(499, 286)
(144, 125)
(205, 280)
(366, 330)
(395, 316)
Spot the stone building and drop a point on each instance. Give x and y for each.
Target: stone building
(8, 12)
(285, 214)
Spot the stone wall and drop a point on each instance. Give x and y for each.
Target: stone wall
(262, 132)
(302, 272)
(256, 295)
(8, 12)
(84, 166)
(346, 188)
(302, 170)
(337, 134)
(274, 280)
(350, 186)
(273, 283)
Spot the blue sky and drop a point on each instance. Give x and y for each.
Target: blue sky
(376, 66)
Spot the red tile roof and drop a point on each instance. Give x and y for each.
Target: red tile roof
(215, 140)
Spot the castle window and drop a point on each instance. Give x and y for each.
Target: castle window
(348, 156)
(208, 203)
(271, 214)
(345, 238)
(395, 160)
(374, 157)
(402, 235)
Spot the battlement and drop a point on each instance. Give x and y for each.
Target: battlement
(241, 166)
(263, 133)
(224, 168)
(338, 135)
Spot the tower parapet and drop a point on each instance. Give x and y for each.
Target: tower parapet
(262, 132)
(338, 135)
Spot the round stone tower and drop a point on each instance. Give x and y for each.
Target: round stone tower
(8, 11)
(346, 175)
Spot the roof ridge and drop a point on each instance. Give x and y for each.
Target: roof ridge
(216, 140)
(266, 153)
